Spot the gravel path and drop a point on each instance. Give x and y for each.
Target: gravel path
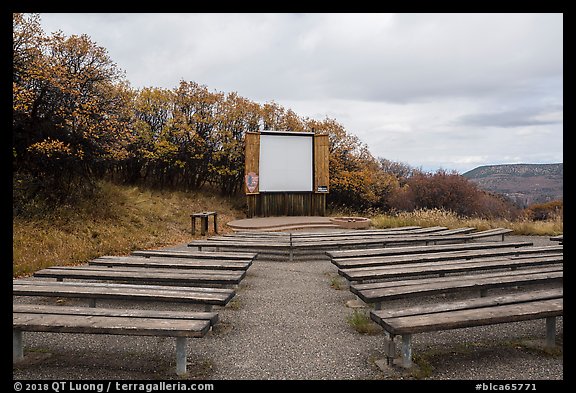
(287, 322)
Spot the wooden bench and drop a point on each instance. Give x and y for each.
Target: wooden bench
(430, 234)
(261, 245)
(336, 232)
(307, 246)
(530, 305)
(380, 292)
(204, 216)
(83, 320)
(376, 261)
(386, 240)
(170, 263)
(190, 254)
(389, 251)
(490, 233)
(558, 238)
(93, 291)
(338, 235)
(192, 277)
(443, 267)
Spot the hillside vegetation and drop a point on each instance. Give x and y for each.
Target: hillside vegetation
(114, 221)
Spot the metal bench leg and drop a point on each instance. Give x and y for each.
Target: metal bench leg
(550, 332)
(180, 355)
(17, 348)
(207, 307)
(407, 350)
(92, 303)
(378, 306)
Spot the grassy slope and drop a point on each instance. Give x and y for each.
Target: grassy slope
(121, 219)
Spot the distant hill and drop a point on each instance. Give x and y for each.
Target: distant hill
(524, 184)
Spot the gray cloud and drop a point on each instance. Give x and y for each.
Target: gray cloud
(413, 86)
(520, 117)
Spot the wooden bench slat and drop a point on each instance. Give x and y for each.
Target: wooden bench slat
(444, 256)
(449, 267)
(117, 291)
(525, 296)
(212, 317)
(65, 323)
(558, 238)
(165, 276)
(454, 284)
(423, 249)
(195, 254)
(497, 231)
(170, 263)
(105, 286)
(425, 280)
(146, 271)
(299, 234)
(470, 318)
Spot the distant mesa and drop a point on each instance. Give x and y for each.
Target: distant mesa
(524, 184)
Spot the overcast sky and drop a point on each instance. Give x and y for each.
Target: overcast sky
(450, 91)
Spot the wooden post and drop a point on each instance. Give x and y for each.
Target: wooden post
(203, 224)
(180, 355)
(17, 348)
(407, 350)
(321, 164)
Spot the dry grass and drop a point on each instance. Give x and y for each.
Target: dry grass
(361, 322)
(439, 217)
(121, 219)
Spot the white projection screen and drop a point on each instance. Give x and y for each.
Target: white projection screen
(286, 162)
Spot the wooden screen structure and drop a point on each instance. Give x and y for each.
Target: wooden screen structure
(288, 202)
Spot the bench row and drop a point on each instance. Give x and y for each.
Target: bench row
(191, 278)
(62, 319)
(291, 246)
(524, 306)
(383, 275)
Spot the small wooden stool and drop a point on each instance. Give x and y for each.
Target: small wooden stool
(203, 216)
